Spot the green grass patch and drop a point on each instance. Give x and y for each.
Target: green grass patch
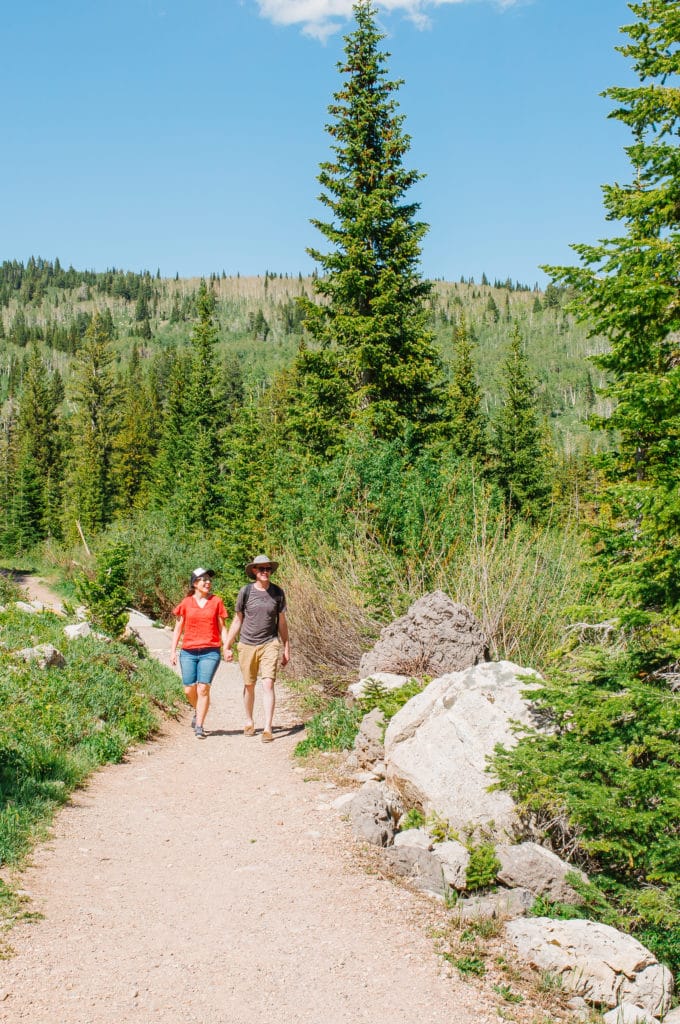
(57, 725)
(471, 964)
(334, 728)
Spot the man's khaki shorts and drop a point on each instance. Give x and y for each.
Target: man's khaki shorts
(257, 661)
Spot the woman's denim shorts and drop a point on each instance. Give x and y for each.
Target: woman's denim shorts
(199, 665)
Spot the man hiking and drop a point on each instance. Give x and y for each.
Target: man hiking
(260, 617)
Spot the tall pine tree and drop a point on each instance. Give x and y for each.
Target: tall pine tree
(628, 290)
(519, 465)
(466, 427)
(92, 429)
(37, 480)
(373, 316)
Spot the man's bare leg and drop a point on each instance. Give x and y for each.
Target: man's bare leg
(249, 704)
(269, 703)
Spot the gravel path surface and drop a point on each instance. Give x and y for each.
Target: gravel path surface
(208, 882)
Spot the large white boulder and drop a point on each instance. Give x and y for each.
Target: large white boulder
(436, 746)
(595, 961)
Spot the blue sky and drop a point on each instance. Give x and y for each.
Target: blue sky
(187, 136)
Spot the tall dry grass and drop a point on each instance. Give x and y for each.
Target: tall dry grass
(520, 580)
(330, 625)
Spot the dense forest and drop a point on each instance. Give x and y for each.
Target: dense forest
(383, 435)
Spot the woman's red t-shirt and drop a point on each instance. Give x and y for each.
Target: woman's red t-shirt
(201, 625)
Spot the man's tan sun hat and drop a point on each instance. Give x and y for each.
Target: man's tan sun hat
(260, 560)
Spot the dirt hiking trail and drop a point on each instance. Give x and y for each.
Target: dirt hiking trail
(206, 881)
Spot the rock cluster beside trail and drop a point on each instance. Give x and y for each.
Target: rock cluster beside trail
(434, 760)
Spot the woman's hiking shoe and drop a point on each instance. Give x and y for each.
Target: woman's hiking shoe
(200, 732)
(248, 730)
(267, 736)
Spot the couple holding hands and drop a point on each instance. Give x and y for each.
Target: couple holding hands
(259, 617)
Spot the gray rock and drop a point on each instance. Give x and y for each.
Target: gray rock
(502, 904)
(44, 655)
(24, 606)
(599, 963)
(538, 869)
(420, 866)
(368, 743)
(371, 815)
(437, 745)
(340, 803)
(579, 1008)
(77, 630)
(454, 859)
(388, 681)
(673, 1016)
(627, 1013)
(433, 637)
(419, 837)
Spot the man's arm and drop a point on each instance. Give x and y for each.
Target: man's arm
(231, 636)
(283, 633)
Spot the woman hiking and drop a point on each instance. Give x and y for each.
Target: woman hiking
(201, 622)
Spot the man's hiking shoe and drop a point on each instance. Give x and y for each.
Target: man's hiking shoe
(193, 721)
(267, 736)
(200, 732)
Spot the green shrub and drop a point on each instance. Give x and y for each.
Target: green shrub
(107, 596)
(482, 868)
(9, 591)
(376, 695)
(334, 728)
(412, 819)
(606, 780)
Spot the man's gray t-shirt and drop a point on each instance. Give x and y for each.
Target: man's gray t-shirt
(260, 610)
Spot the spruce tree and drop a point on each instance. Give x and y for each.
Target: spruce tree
(627, 290)
(136, 440)
(37, 484)
(373, 309)
(89, 487)
(466, 425)
(518, 460)
(188, 468)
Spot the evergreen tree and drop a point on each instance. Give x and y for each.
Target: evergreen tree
(136, 440)
(466, 423)
(374, 311)
(90, 488)
(37, 484)
(188, 470)
(518, 460)
(627, 290)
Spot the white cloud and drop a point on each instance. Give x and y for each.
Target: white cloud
(320, 18)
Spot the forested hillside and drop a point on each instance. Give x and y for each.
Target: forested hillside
(259, 323)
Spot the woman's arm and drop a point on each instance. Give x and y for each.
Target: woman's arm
(223, 633)
(176, 634)
(231, 635)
